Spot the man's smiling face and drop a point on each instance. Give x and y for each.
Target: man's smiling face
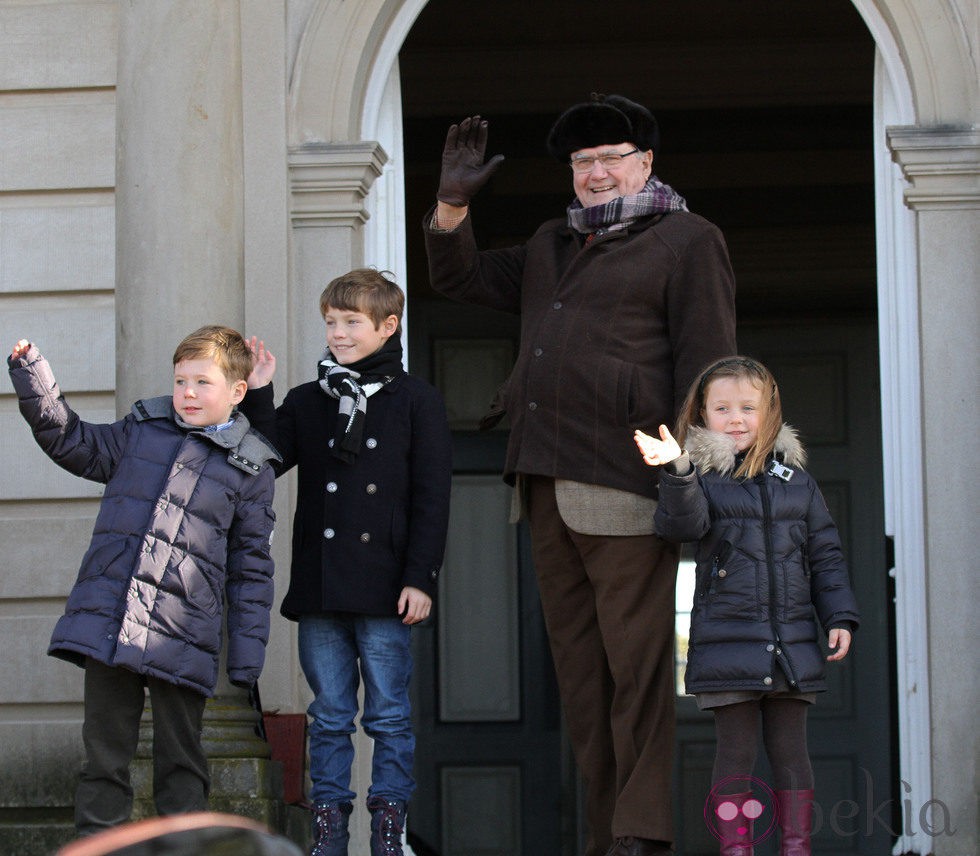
(601, 184)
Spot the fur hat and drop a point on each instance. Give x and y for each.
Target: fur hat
(605, 120)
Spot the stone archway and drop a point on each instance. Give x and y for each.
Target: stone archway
(341, 97)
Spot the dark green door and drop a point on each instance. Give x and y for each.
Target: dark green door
(489, 757)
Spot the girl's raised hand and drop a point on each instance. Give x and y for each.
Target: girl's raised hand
(263, 366)
(657, 452)
(20, 349)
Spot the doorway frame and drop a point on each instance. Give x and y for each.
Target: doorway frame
(352, 53)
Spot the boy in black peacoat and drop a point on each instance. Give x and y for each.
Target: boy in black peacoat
(373, 452)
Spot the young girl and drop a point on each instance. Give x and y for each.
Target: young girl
(768, 555)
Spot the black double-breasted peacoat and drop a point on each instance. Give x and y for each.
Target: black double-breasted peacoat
(362, 531)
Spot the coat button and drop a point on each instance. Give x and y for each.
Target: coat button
(365, 537)
(331, 487)
(328, 533)
(433, 574)
(372, 488)
(533, 406)
(371, 443)
(180, 466)
(722, 574)
(767, 681)
(538, 352)
(330, 443)
(556, 305)
(770, 648)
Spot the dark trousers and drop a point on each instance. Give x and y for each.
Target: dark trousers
(608, 604)
(114, 700)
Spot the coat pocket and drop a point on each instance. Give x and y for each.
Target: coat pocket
(100, 559)
(615, 389)
(198, 587)
(733, 592)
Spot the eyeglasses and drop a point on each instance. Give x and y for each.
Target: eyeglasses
(610, 160)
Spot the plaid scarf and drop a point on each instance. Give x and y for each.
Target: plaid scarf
(655, 198)
(353, 385)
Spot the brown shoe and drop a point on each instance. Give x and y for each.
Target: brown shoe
(630, 846)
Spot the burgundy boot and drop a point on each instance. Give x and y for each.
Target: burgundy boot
(732, 827)
(795, 821)
(387, 826)
(330, 835)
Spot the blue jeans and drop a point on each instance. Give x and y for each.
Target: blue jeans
(330, 646)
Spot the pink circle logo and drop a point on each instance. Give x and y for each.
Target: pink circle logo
(741, 810)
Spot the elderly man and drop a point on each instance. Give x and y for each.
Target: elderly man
(622, 302)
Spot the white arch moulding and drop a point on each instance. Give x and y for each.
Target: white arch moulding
(345, 87)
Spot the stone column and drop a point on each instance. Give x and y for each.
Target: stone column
(179, 265)
(328, 184)
(942, 166)
(178, 183)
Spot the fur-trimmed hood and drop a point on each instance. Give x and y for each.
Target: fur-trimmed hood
(712, 450)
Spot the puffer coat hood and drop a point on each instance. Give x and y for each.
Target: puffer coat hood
(768, 557)
(184, 527)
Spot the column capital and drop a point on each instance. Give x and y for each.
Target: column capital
(941, 164)
(329, 181)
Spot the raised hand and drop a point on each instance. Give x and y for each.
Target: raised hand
(20, 349)
(657, 452)
(463, 169)
(263, 366)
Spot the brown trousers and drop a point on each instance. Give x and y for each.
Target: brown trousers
(608, 605)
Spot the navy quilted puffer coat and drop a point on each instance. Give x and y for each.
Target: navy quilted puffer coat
(768, 557)
(184, 526)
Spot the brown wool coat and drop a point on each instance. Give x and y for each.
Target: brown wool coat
(612, 334)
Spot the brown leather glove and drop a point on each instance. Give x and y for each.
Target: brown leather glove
(463, 169)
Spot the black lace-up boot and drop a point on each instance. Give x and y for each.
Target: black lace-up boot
(330, 835)
(387, 826)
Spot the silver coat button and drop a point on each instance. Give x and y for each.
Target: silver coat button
(365, 537)
(330, 443)
(372, 488)
(767, 680)
(770, 648)
(328, 533)
(331, 487)
(371, 443)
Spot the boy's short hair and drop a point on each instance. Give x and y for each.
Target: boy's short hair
(364, 290)
(227, 347)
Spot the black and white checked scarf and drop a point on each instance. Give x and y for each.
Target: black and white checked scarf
(655, 198)
(353, 385)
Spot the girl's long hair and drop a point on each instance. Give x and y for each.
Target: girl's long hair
(770, 417)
